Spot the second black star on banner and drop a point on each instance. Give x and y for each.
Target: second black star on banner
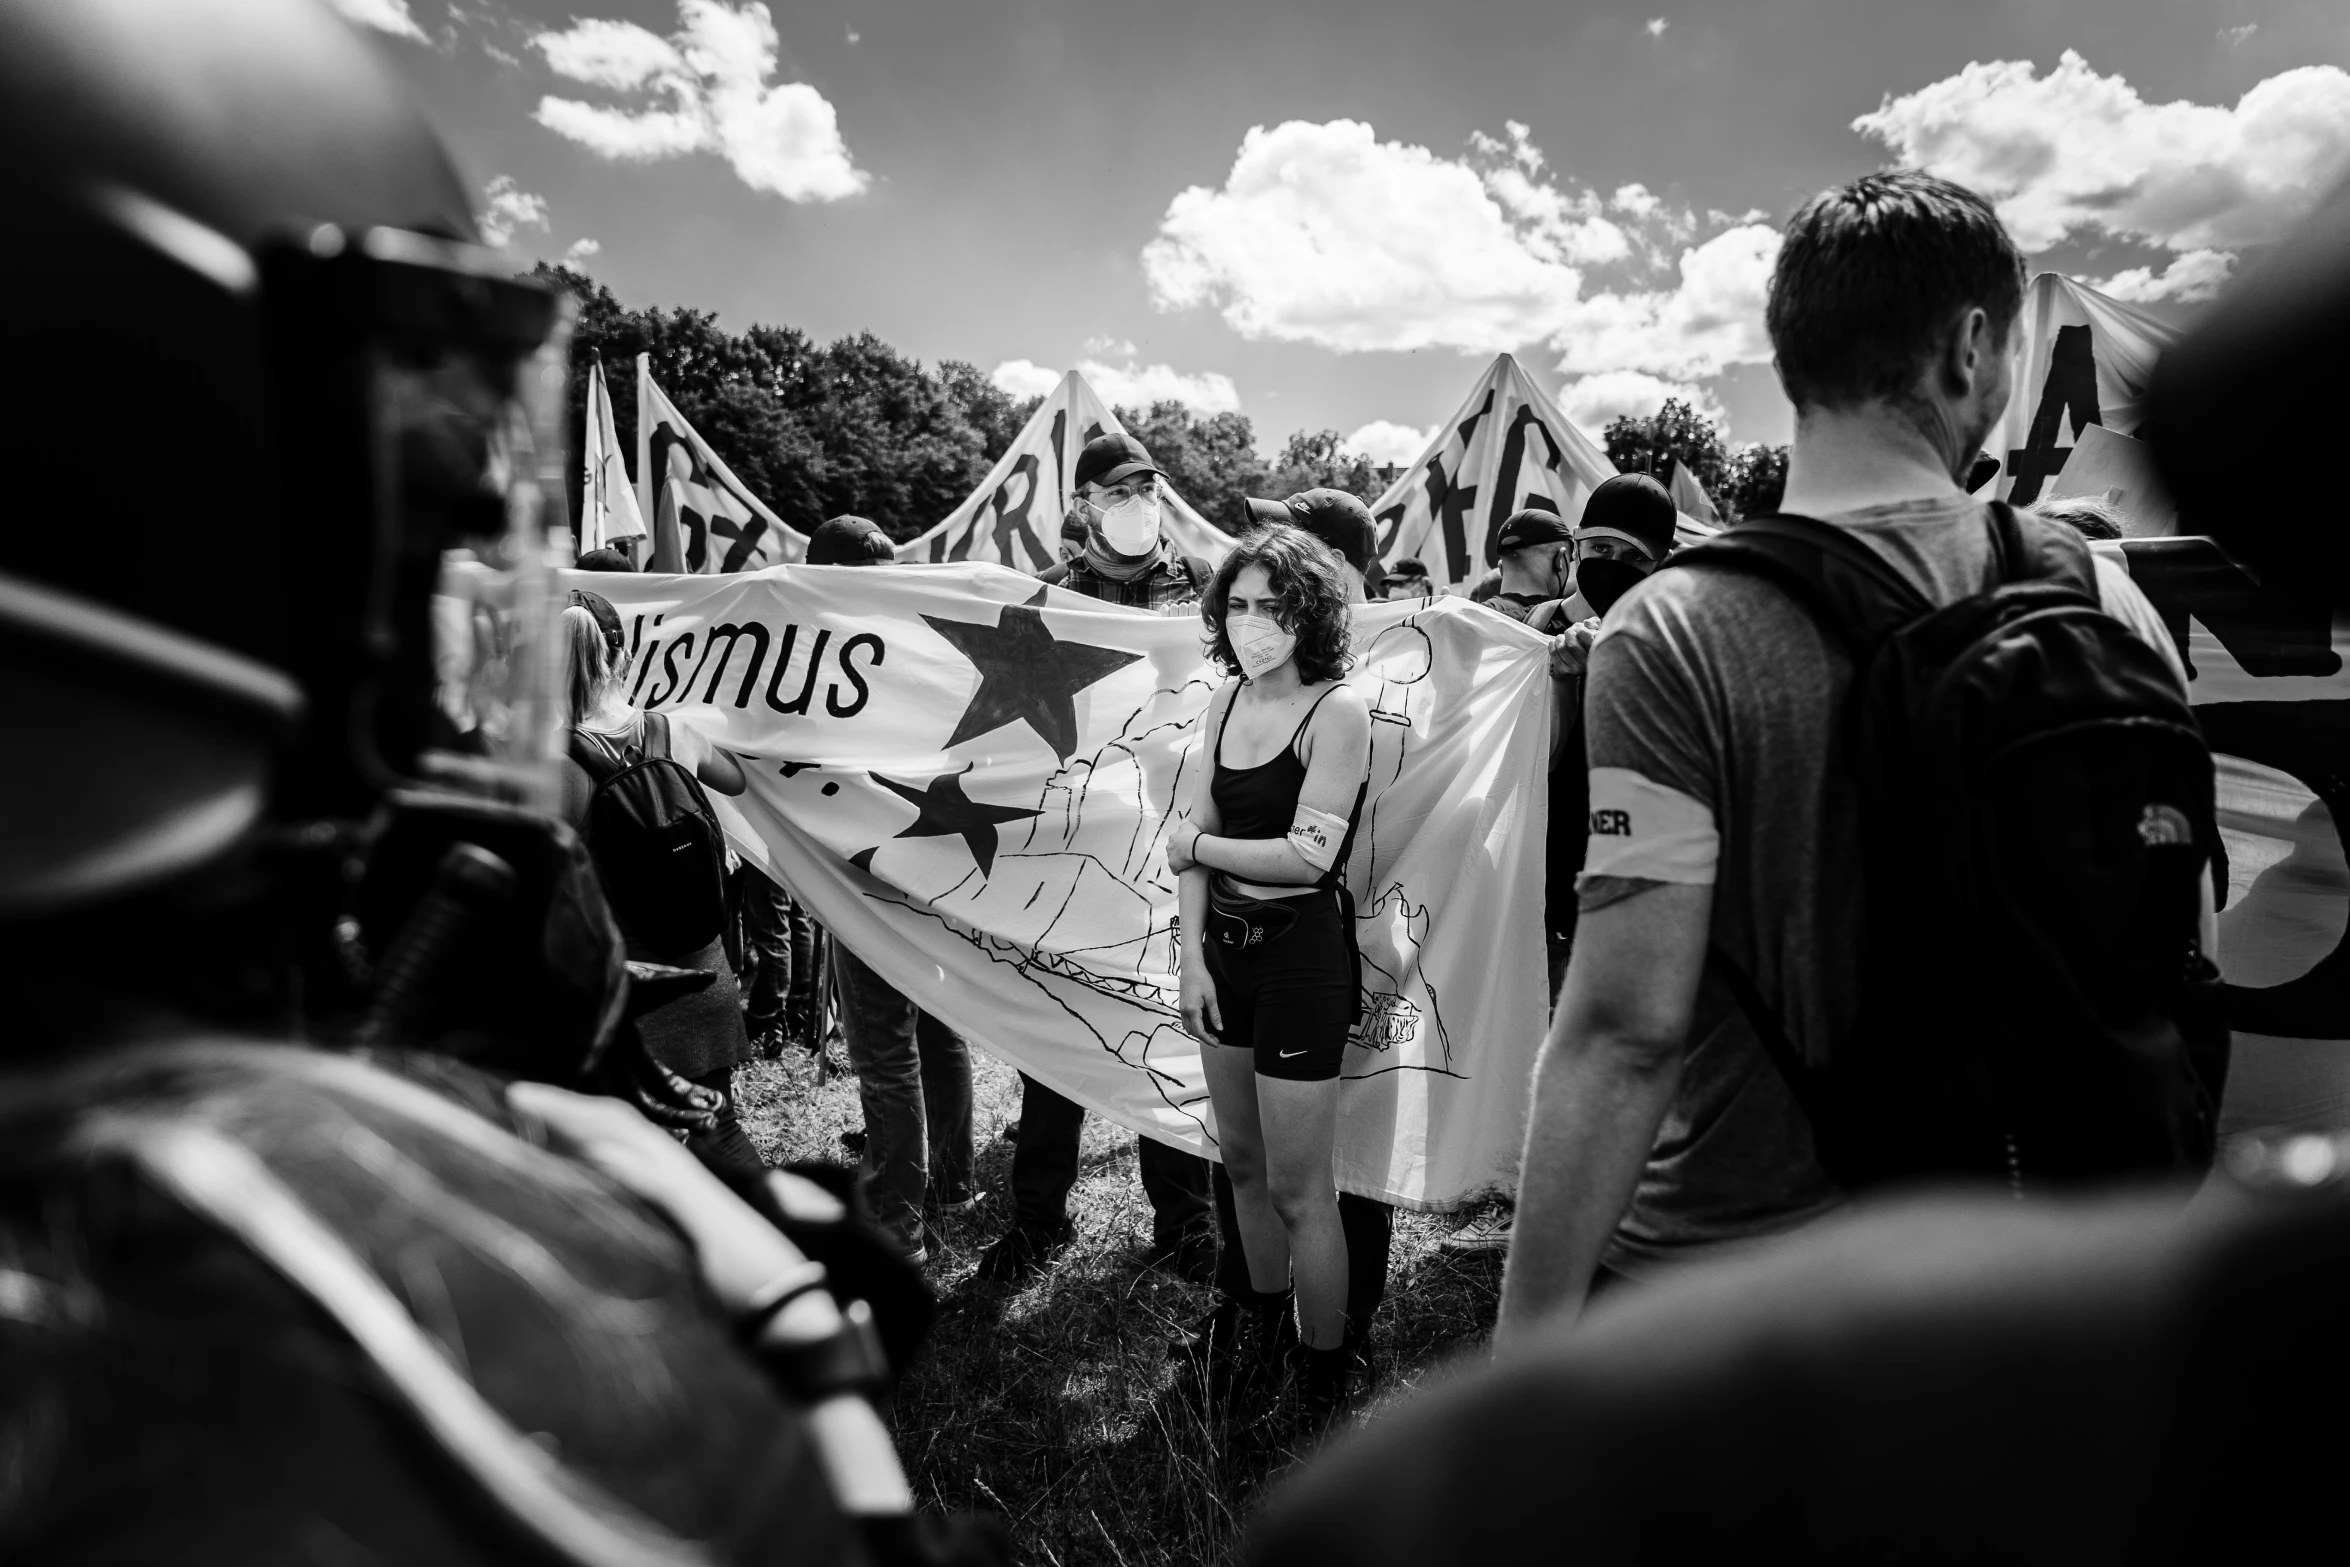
(948, 812)
(1026, 674)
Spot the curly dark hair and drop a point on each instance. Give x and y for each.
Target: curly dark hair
(1304, 573)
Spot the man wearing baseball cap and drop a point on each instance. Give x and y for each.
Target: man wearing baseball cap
(1533, 548)
(1119, 502)
(1123, 558)
(1339, 520)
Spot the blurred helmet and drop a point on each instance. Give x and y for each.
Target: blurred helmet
(278, 419)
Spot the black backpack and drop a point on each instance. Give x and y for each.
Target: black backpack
(2036, 812)
(656, 843)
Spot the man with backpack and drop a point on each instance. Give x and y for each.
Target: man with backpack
(1898, 837)
(1126, 560)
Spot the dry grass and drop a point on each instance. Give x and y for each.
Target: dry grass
(1055, 1405)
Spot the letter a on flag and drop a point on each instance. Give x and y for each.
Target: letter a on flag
(2080, 359)
(607, 508)
(702, 518)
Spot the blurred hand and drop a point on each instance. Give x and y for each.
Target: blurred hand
(1570, 650)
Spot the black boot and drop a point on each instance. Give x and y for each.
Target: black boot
(1328, 1380)
(1261, 1348)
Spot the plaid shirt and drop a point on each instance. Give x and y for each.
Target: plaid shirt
(1164, 586)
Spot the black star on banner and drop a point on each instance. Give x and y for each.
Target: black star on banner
(947, 809)
(1026, 674)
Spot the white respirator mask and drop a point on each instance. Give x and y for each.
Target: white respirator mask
(1131, 527)
(1259, 643)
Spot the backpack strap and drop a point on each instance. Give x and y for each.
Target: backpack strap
(1845, 586)
(1199, 571)
(2041, 551)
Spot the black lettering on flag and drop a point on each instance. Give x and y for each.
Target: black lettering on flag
(1505, 478)
(798, 704)
(733, 635)
(1451, 502)
(1611, 824)
(2269, 630)
(743, 552)
(2071, 388)
(832, 702)
(645, 666)
(663, 693)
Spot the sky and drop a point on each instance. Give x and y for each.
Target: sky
(1330, 215)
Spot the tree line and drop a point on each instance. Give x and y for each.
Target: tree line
(819, 429)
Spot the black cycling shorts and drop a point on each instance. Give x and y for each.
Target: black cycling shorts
(1290, 995)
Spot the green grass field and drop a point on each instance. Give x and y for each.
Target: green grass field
(1054, 1406)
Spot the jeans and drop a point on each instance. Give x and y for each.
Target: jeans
(914, 1079)
(1044, 1168)
(1370, 1231)
(776, 944)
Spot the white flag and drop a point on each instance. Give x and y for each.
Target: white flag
(2081, 358)
(968, 777)
(703, 519)
(1689, 497)
(1014, 517)
(1507, 448)
(607, 506)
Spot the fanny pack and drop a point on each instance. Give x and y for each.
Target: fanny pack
(1239, 921)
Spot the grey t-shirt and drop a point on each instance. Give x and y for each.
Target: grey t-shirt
(1715, 758)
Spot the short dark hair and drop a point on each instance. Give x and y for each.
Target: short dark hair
(849, 541)
(1870, 274)
(1304, 573)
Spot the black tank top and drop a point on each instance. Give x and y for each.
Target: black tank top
(1261, 801)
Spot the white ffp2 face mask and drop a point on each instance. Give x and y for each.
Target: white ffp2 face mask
(1131, 527)
(1259, 643)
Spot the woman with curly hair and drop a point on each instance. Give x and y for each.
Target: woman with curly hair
(1269, 972)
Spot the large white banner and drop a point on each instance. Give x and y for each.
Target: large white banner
(2270, 681)
(1014, 517)
(2081, 358)
(1508, 447)
(703, 518)
(968, 776)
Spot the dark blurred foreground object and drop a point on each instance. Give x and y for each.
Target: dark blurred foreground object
(2241, 403)
(286, 922)
(1946, 1380)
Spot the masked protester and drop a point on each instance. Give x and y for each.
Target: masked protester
(273, 1281)
(1271, 981)
(1532, 549)
(1120, 503)
(1408, 579)
(913, 1072)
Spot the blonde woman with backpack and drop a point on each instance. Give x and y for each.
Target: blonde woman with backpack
(620, 754)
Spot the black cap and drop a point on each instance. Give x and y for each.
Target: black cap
(1110, 458)
(603, 559)
(849, 541)
(1530, 527)
(607, 618)
(1408, 566)
(1631, 506)
(1338, 519)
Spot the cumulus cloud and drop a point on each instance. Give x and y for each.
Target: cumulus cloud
(703, 88)
(506, 207)
(1128, 385)
(1385, 442)
(1120, 347)
(581, 250)
(1655, 26)
(1325, 234)
(1710, 319)
(2196, 275)
(2073, 151)
(385, 16)
(1595, 400)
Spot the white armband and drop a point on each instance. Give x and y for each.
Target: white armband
(1648, 831)
(1316, 835)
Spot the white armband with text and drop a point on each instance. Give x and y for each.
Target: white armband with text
(1316, 835)
(1648, 832)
